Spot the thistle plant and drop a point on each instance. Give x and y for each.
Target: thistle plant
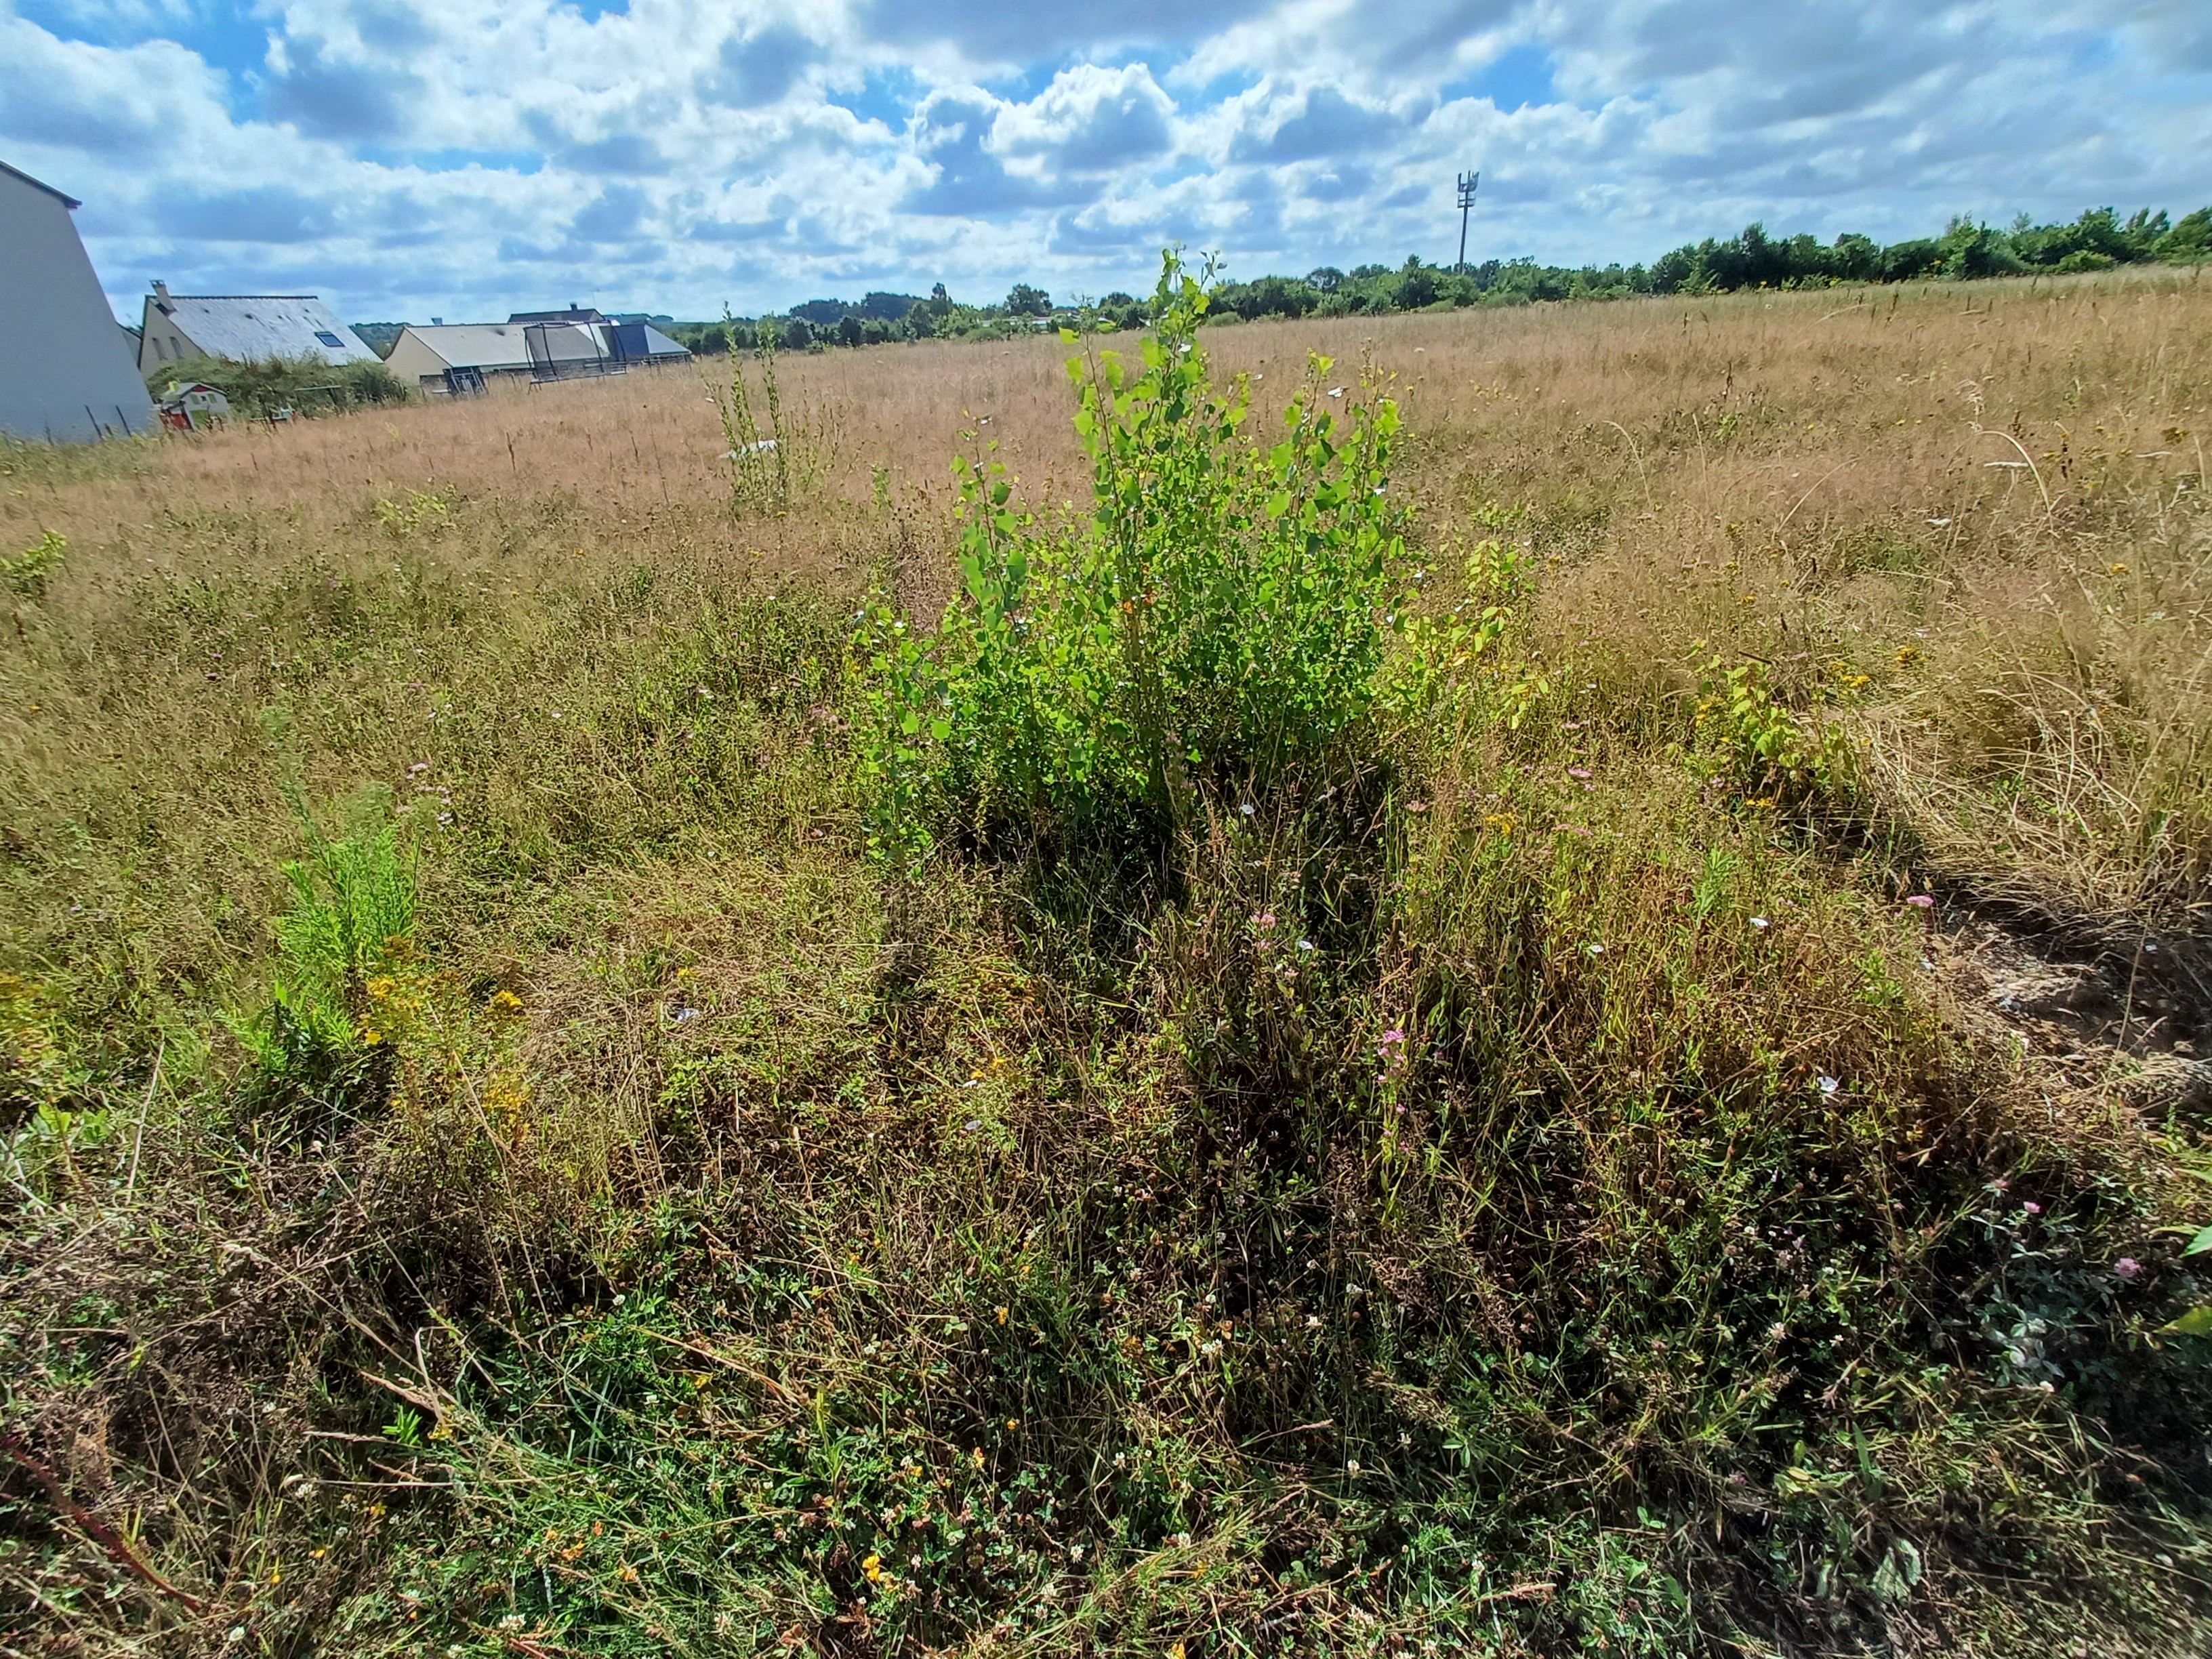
(760, 468)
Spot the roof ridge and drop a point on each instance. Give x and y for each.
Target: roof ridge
(61, 195)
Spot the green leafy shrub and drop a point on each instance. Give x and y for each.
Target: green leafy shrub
(27, 574)
(1754, 741)
(1220, 616)
(306, 385)
(1460, 665)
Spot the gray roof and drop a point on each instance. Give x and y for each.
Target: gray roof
(17, 173)
(473, 345)
(252, 328)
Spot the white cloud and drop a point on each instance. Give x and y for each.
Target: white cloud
(473, 157)
(1089, 120)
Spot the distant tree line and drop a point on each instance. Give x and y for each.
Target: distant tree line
(879, 318)
(379, 337)
(2098, 240)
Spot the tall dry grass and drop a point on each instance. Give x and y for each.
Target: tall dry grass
(1987, 501)
(1973, 516)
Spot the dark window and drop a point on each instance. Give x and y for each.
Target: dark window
(330, 339)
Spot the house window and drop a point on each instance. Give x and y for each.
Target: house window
(330, 339)
(159, 355)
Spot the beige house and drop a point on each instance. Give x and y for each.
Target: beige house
(65, 372)
(459, 357)
(243, 328)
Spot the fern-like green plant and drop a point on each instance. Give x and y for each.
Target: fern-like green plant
(350, 918)
(353, 902)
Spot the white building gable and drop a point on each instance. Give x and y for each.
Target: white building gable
(65, 372)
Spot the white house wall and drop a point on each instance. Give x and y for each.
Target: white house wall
(411, 361)
(162, 342)
(66, 370)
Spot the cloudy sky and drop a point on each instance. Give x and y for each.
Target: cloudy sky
(463, 158)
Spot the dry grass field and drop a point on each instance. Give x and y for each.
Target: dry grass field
(1716, 1171)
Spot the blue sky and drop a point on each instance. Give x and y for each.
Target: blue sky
(466, 158)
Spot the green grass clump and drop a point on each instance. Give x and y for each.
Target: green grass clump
(29, 571)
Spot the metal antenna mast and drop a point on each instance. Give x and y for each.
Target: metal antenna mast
(1467, 183)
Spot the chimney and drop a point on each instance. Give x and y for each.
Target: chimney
(161, 298)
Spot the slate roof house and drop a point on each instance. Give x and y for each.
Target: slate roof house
(243, 328)
(65, 372)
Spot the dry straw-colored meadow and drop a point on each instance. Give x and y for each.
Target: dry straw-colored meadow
(1986, 499)
(695, 1251)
